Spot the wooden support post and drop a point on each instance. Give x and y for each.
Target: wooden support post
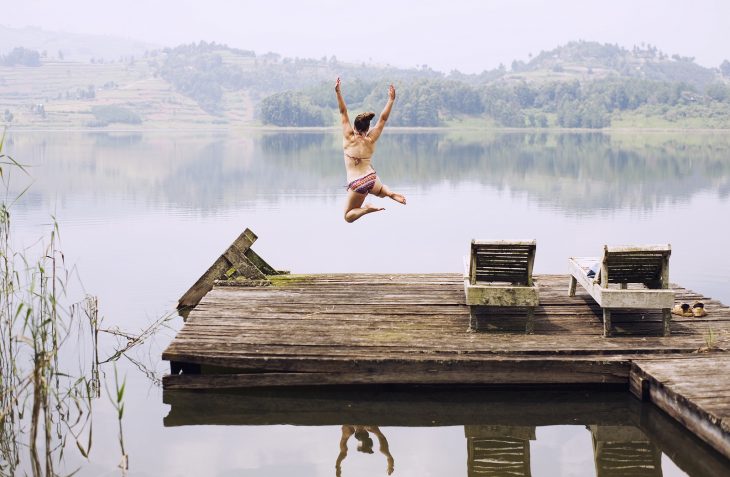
(571, 287)
(530, 264)
(260, 263)
(624, 286)
(530, 327)
(473, 326)
(606, 322)
(666, 321)
(241, 264)
(177, 367)
(472, 264)
(645, 390)
(665, 271)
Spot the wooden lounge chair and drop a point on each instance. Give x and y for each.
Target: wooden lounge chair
(621, 266)
(499, 273)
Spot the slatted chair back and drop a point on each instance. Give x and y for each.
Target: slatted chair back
(498, 456)
(648, 265)
(502, 261)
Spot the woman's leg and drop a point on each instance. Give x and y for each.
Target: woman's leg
(355, 208)
(382, 190)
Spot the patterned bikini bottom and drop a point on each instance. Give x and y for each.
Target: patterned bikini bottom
(364, 184)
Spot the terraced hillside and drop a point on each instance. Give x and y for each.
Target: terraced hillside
(578, 85)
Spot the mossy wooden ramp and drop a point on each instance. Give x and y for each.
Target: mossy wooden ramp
(237, 263)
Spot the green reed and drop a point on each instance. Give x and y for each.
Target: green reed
(42, 404)
(47, 391)
(117, 400)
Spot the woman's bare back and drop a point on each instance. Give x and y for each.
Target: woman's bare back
(359, 150)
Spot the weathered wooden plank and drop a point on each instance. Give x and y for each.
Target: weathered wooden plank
(241, 264)
(500, 243)
(496, 371)
(618, 249)
(284, 357)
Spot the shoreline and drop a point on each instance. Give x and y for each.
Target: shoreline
(407, 129)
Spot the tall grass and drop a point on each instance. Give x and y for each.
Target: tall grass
(51, 373)
(45, 398)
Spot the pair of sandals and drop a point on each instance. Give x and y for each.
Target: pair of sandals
(697, 310)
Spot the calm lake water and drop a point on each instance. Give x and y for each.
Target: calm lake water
(142, 215)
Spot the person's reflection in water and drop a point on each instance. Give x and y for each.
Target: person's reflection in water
(364, 444)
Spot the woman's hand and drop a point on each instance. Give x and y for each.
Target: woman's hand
(337, 85)
(391, 91)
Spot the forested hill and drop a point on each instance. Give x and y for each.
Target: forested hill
(581, 84)
(578, 85)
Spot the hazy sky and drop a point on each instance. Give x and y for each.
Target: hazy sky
(469, 35)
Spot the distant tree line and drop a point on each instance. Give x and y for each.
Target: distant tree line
(423, 103)
(108, 114)
(21, 57)
(293, 109)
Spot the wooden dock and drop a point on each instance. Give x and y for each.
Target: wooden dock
(368, 329)
(344, 329)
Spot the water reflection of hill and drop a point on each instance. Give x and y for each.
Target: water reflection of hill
(579, 173)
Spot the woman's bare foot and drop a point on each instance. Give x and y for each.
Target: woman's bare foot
(371, 208)
(398, 198)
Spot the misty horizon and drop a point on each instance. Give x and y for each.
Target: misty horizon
(370, 61)
(470, 37)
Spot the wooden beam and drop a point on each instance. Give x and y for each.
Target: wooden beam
(518, 370)
(500, 295)
(260, 263)
(638, 248)
(218, 270)
(241, 265)
(520, 243)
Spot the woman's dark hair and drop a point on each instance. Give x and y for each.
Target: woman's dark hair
(362, 121)
(365, 443)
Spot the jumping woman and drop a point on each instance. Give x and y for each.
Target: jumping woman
(359, 145)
